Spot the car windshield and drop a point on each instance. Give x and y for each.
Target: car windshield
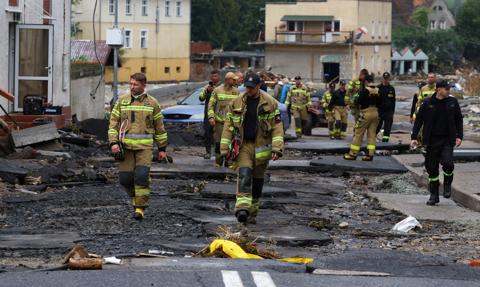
(192, 99)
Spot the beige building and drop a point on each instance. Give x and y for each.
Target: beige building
(324, 39)
(156, 36)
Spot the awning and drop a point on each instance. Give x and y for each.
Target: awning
(330, 59)
(307, 18)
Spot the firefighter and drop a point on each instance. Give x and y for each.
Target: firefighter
(353, 88)
(442, 121)
(298, 99)
(425, 92)
(255, 126)
(329, 115)
(387, 110)
(339, 104)
(218, 108)
(136, 123)
(205, 95)
(368, 102)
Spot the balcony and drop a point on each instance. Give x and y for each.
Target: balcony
(313, 37)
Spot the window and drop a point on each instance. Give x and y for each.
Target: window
(144, 7)
(386, 29)
(179, 69)
(440, 8)
(433, 24)
(373, 29)
(167, 70)
(291, 26)
(143, 39)
(167, 8)
(128, 38)
(442, 25)
(336, 26)
(128, 7)
(111, 7)
(179, 9)
(380, 30)
(143, 70)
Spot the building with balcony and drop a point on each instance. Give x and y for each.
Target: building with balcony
(156, 36)
(324, 40)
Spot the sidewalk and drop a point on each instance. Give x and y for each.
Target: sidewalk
(465, 187)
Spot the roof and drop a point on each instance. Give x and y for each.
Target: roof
(407, 55)
(83, 52)
(306, 18)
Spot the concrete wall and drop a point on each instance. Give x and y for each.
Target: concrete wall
(375, 58)
(85, 106)
(306, 61)
(61, 46)
(168, 42)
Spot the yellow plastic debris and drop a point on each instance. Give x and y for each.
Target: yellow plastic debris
(233, 250)
(297, 260)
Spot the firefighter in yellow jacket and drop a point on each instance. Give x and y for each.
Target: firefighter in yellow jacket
(368, 102)
(218, 109)
(136, 123)
(329, 114)
(298, 99)
(353, 89)
(254, 129)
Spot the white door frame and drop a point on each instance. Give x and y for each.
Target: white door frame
(18, 77)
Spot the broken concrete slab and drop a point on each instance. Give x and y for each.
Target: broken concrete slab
(11, 172)
(37, 134)
(338, 146)
(414, 205)
(16, 241)
(227, 191)
(293, 235)
(189, 171)
(381, 164)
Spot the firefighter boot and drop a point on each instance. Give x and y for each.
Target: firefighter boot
(349, 156)
(433, 188)
(447, 185)
(244, 194)
(257, 187)
(139, 213)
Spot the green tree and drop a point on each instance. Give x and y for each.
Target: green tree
(468, 23)
(420, 17)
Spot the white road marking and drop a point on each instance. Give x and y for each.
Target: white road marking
(231, 279)
(262, 279)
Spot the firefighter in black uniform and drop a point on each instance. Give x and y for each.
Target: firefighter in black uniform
(387, 109)
(442, 122)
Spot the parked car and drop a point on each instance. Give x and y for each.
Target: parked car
(191, 110)
(318, 120)
(188, 110)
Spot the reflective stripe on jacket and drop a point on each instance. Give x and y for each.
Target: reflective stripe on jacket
(144, 123)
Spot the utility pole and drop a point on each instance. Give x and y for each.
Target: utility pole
(115, 59)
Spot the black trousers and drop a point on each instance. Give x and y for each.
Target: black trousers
(208, 134)
(386, 121)
(439, 151)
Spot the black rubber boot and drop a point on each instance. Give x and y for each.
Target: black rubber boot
(242, 216)
(434, 196)
(244, 186)
(447, 185)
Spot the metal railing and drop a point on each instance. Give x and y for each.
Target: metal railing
(312, 37)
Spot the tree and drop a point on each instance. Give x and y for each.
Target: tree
(468, 23)
(420, 17)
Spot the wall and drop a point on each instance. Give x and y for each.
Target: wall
(376, 59)
(83, 105)
(168, 42)
(5, 18)
(305, 61)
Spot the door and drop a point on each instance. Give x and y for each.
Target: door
(33, 62)
(331, 71)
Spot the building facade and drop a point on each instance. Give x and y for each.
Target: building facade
(325, 40)
(156, 36)
(408, 62)
(35, 57)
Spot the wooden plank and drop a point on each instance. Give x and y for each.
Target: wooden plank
(9, 97)
(34, 135)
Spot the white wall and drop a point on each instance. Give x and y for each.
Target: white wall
(85, 106)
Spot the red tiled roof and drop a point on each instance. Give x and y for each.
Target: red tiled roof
(83, 52)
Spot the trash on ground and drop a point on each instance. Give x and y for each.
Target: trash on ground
(112, 260)
(79, 259)
(407, 224)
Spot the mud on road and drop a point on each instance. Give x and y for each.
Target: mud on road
(326, 214)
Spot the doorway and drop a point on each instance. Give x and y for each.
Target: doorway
(33, 63)
(331, 71)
